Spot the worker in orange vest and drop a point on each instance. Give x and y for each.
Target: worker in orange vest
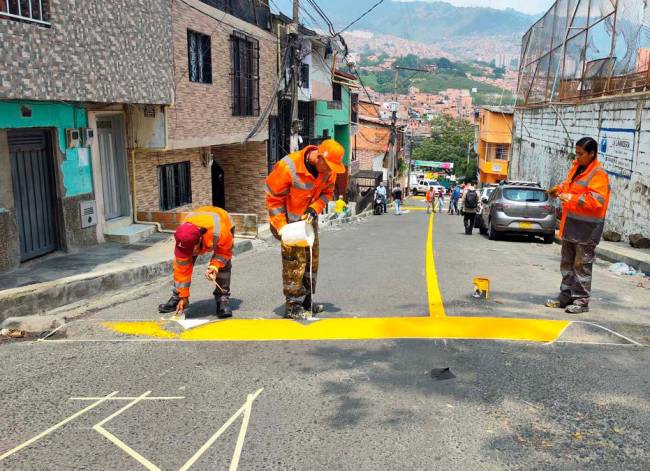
(585, 198)
(206, 230)
(300, 187)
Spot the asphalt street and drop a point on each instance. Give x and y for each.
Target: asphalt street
(93, 397)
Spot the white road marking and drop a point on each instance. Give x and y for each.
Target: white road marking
(99, 427)
(57, 426)
(627, 339)
(245, 409)
(117, 398)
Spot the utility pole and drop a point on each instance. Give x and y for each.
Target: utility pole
(392, 159)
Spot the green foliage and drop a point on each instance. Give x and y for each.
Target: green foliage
(448, 143)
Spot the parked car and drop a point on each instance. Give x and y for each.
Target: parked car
(519, 208)
(423, 185)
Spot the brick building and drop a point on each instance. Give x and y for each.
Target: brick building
(225, 73)
(373, 138)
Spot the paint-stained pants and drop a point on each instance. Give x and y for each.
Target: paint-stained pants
(577, 268)
(295, 271)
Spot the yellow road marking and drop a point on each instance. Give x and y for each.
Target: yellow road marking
(414, 208)
(479, 328)
(436, 306)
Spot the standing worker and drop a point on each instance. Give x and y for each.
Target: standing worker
(299, 188)
(207, 229)
(585, 198)
(430, 197)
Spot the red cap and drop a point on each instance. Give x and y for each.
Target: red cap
(187, 237)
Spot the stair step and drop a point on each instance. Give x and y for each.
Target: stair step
(129, 234)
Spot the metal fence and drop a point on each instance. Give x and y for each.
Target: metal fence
(586, 48)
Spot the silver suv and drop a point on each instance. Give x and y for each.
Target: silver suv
(520, 208)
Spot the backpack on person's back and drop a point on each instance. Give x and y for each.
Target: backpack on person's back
(471, 200)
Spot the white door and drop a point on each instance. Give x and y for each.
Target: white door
(112, 155)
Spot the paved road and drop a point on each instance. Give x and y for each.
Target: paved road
(581, 402)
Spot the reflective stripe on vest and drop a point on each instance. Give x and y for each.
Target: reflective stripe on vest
(185, 284)
(294, 175)
(183, 263)
(293, 217)
(276, 211)
(220, 258)
(273, 193)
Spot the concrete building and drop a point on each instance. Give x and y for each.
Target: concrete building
(603, 94)
(494, 142)
(67, 75)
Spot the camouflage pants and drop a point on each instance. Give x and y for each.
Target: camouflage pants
(295, 271)
(577, 268)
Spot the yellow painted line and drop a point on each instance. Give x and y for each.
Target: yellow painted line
(436, 306)
(476, 328)
(414, 208)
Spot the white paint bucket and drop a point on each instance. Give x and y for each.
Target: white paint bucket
(298, 234)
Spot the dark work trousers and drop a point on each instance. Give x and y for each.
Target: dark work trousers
(577, 269)
(468, 220)
(296, 282)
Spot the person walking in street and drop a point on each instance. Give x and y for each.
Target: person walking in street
(585, 197)
(430, 197)
(204, 230)
(469, 207)
(455, 198)
(381, 191)
(441, 200)
(299, 188)
(398, 196)
(341, 208)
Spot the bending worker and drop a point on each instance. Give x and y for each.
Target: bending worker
(207, 229)
(299, 188)
(585, 197)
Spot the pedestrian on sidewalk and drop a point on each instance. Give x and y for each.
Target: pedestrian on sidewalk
(299, 188)
(430, 197)
(207, 229)
(585, 197)
(398, 196)
(469, 207)
(341, 208)
(381, 191)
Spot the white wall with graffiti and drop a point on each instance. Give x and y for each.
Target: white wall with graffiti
(543, 150)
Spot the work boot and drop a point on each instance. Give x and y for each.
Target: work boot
(169, 306)
(224, 310)
(576, 309)
(296, 312)
(313, 308)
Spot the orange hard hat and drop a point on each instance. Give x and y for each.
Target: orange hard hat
(333, 153)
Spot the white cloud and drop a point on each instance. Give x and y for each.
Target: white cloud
(529, 6)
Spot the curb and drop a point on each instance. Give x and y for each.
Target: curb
(38, 299)
(613, 256)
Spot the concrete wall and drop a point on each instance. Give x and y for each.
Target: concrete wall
(96, 51)
(9, 244)
(543, 150)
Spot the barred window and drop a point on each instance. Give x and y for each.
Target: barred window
(244, 74)
(304, 75)
(29, 11)
(175, 183)
(199, 57)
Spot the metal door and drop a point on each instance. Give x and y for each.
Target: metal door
(112, 156)
(34, 192)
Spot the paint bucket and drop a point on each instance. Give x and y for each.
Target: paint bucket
(298, 234)
(482, 288)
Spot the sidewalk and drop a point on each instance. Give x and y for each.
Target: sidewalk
(615, 252)
(58, 280)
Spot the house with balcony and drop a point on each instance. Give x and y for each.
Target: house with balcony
(494, 142)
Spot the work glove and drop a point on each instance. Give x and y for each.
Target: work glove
(211, 273)
(310, 215)
(553, 192)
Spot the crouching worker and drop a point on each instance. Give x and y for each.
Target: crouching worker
(207, 229)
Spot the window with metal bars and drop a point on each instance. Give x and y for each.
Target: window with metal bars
(244, 74)
(199, 57)
(175, 183)
(28, 11)
(304, 75)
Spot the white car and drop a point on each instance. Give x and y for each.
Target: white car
(423, 186)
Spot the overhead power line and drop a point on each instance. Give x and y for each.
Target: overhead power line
(362, 16)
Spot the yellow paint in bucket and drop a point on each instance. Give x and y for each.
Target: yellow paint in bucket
(298, 234)
(482, 288)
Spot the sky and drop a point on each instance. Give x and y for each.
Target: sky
(527, 6)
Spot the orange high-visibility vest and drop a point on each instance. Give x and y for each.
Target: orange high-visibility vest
(583, 217)
(291, 189)
(218, 239)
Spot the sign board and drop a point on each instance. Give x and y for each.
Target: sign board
(432, 164)
(617, 151)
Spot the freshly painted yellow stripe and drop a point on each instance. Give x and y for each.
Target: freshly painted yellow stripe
(436, 306)
(476, 328)
(414, 208)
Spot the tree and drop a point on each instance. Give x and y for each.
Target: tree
(448, 143)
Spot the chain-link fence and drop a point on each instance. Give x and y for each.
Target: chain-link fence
(586, 48)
